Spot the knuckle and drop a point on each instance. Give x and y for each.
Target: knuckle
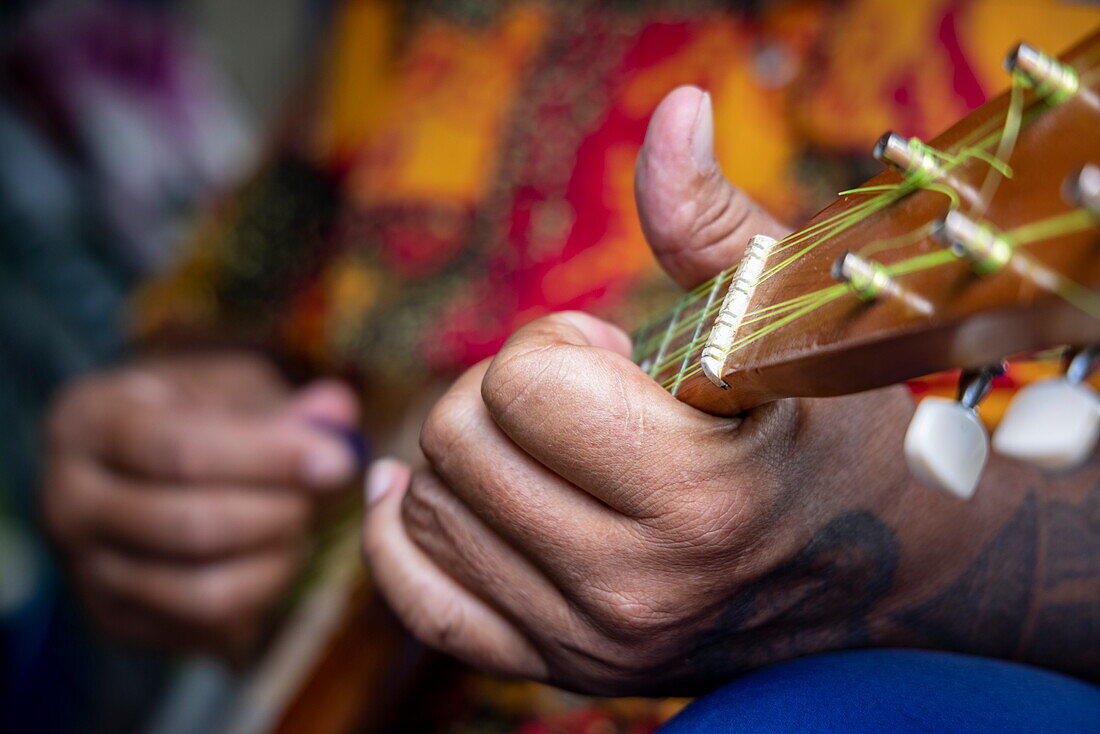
(83, 401)
(215, 598)
(439, 625)
(521, 381)
(450, 427)
(626, 614)
(439, 432)
(184, 459)
(420, 512)
(195, 527)
(68, 501)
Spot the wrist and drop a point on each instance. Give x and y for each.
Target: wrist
(964, 567)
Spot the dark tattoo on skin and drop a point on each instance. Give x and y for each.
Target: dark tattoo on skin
(983, 612)
(1031, 594)
(986, 610)
(818, 599)
(1073, 540)
(1066, 634)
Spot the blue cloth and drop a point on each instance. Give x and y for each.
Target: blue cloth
(895, 691)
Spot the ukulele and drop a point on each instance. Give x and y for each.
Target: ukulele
(976, 246)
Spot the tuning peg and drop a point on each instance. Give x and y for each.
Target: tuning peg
(977, 242)
(910, 156)
(946, 445)
(1055, 423)
(1052, 80)
(870, 281)
(1082, 188)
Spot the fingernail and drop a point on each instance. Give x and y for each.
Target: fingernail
(702, 136)
(598, 332)
(327, 464)
(381, 478)
(356, 442)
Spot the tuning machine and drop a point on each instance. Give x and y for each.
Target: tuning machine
(946, 445)
(870, 281)
(1053, 80)
(977, 242)
(912, 157)
(1054, 424)
(1082, 188)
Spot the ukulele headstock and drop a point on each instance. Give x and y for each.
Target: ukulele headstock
(979, 245)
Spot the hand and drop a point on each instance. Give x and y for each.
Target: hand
(578, 525)
(180, 493)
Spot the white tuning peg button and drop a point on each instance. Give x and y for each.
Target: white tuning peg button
(1053, 424)
(947, 446)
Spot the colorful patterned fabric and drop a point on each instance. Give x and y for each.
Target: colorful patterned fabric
(465, 167)
(114, 127)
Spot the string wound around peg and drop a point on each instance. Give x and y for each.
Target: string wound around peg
(979, 243)
(870, 281)
(867, 279)
(1054, 81)
(915, 160)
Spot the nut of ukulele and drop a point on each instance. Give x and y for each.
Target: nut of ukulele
(1054, 424)
(734, 306)
(946, 445)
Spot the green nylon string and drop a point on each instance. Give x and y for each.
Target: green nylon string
(750, 318)
(1077, 295)
(1056, 226)
(893, 243)
(825, 296)
(834, 224)
(788, 311)
(1007, 144)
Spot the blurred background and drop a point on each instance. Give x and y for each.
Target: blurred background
(464, 166)
(119, 120)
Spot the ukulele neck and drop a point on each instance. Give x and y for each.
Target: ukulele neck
(792, 329)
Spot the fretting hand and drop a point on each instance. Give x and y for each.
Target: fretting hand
(577, 524)
(180, 492)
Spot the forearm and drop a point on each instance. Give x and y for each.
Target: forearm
(1020, 572)
(1013, 573)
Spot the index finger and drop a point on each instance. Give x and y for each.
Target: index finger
(169, 442)
(592, 416)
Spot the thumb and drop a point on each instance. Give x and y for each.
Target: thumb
(695, 220)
